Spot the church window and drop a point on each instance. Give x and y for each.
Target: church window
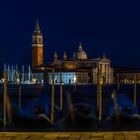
(39, 40)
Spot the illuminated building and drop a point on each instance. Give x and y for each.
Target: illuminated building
(126, 75)
(78, 70)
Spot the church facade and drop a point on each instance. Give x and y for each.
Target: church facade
(81, 70)
(77, 70)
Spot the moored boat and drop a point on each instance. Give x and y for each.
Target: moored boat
(35, 113)
(122, 108)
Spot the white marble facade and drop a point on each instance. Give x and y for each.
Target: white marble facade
(105, 70)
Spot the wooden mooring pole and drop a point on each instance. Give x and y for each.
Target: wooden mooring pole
(52, 97)
(135, 91)
(61, 93)
(98, 80)
(5, 100)
(19, 94)
(99, 96)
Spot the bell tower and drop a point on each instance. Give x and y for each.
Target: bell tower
(37, 47)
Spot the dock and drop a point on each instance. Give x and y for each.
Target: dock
(125, 135)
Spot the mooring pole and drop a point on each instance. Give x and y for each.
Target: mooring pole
(99, 96)
(135, 91)
(98, 80)
(98, 88)
(5, 100)
(52, 97)
(19, 96)
(61, 92)
(100, 102)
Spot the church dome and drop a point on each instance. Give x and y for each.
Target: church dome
(80, 54)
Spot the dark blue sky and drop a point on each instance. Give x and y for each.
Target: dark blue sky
(112, 27)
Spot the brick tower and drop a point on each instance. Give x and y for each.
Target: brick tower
(37, 47)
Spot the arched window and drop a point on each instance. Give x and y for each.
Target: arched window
(40, 40)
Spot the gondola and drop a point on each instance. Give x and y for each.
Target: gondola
(82, 114)
(122, 108)
(36, 113)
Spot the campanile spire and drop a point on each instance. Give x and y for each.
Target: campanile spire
(37, 27)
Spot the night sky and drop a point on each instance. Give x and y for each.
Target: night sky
(110, 27)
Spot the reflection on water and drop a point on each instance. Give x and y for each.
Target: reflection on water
(79, 109)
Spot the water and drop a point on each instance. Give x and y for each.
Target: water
(78, 94)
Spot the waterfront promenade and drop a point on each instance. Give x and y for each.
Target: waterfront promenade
(70, 135)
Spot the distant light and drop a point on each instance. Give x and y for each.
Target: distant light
(74, 79)
(18, 80)
(2, 80)
(101, 82)
(34, 80)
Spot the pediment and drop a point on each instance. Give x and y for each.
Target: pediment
(105, 60)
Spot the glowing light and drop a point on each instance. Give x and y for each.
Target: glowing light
(18, 80)
(113, 96)
(74, 79)
(67, 78)
(34, 80)
(2, 80)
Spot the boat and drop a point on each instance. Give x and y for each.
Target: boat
(32, 114)
(15, 76)
(80, 112)
(122, 108)
(28, 78)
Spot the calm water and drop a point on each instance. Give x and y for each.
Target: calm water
(77, 94)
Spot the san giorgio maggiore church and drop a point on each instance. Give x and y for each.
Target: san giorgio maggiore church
(77, 70)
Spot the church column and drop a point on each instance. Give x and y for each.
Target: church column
(100, 68)
(105, 73)
(109, 75)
